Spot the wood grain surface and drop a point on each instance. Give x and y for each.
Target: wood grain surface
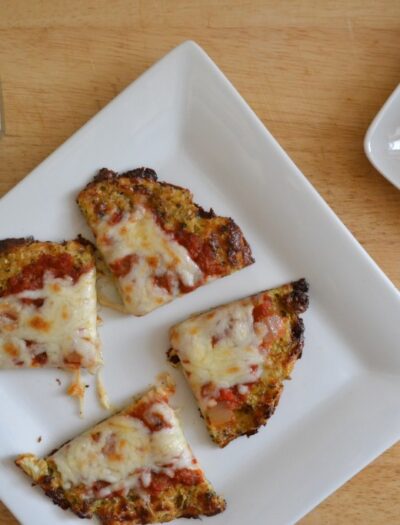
(316, 72)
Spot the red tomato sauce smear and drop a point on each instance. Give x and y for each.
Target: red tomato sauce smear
(32, 275)
(229, 397)
(161, 482)
(263, 310)
(121, 267)
(202, 251)
(153, 420)
(184, 476)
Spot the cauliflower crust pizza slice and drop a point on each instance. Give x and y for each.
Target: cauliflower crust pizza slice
(235, 357)
(48, 312)
(48, 315)
(135, 467)
(157, 243)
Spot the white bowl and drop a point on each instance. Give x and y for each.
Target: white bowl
(382, 141)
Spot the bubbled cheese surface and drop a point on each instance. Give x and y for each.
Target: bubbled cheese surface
(221, 347)
(64, 325)
(124, 452)
(156, 255)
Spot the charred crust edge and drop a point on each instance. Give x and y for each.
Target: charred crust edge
(105, 174)
(262, 413)
(238, 245)
(7, 245)
(82, 240)
(208, 504)
(300, 295)
(58, 497)
(172, 357)
(204, 214)
(296, 301)
(238, 249)
(301, 285)
(15, 242)
(85, 243)
(251, 432)
(298, 337)
(141, 173)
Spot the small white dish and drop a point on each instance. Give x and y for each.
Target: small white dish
(185, 119)
(382, 140)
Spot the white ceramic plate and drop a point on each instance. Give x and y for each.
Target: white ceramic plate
(184, 118)
(382, 141)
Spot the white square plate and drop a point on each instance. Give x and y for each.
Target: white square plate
(382, 141)
(184, 119)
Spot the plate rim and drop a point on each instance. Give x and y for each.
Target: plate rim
(321, 201)
(368, 138)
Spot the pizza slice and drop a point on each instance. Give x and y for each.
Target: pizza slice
(157, 243)
(135, 467)
(48, 312)
(235, 357)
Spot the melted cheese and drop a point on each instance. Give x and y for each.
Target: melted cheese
(156, 254)
(106, 286)
(101, 390)
(63, 327)
(169, 445)
(123, 452)
(221, 348)
(77, 389)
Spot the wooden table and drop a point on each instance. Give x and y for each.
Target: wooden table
(315, 72)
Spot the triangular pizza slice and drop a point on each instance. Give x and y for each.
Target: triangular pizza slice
(157, 243)
(236, 356)
(135, 467)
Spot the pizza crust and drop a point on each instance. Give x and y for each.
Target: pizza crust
(236, 357)
(155, 240)
(48, 312)
(135, 467)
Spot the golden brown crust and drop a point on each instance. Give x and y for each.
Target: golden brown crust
(17, 253)
(174, 500)
(288, 302)
(14, 242)
(215, 243)
(178, 501)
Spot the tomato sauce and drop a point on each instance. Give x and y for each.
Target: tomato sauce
(183, 288)
(121, 267)
(39, 359)
(262, 310)
(229, 397)
(164, 281)
(115, 218)
(32, 275)
(201, 251)
(184, 476)
(153, 420)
